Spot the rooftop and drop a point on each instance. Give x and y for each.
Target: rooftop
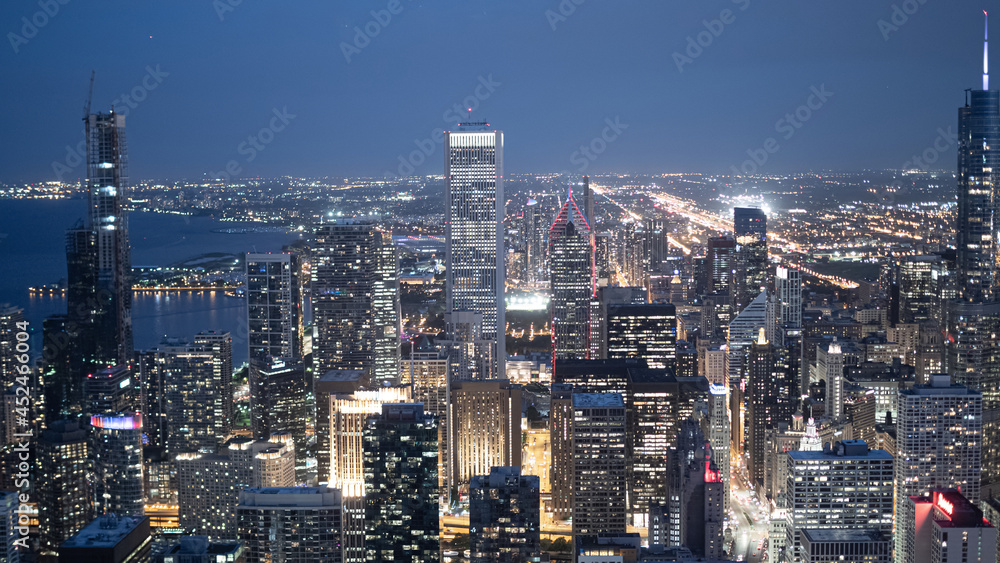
(848, 449)
(587, 400)
(343, 375)
(106, 531)
(853, 536)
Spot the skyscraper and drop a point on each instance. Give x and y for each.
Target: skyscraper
(573, 282)
(109, 300)
(972, 346)
(278, 403)
(117, 443)
(939, 439)
(427, 374)
(788, 292)
(474, 214)
(504, 517)
(64, 502)
(220, 344)
(648, 332)
(847, 487)
(343, 286)
(750, 230)
(181, 390)
(719, 264)
(210, 483)
(599, 464)
(386, 310)
(290, 524)
(274, 318)
(401, 486)
(486, 427)
(10, 318)
(719, 435)
(830, 369)
(978, 176)
(343, 405)
(769, 401)
(111, 390)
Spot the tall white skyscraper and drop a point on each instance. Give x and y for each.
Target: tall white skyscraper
(939, 442)
(473, 172)
(719, 434)
(830, 368)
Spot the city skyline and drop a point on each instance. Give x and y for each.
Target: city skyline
(491, 366)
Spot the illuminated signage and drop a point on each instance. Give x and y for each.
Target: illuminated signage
(944, 504)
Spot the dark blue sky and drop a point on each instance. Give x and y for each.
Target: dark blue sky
(607, 59)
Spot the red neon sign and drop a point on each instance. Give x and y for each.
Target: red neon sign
(944, 504)
(711, 476)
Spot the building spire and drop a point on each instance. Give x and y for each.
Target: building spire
(986, 51)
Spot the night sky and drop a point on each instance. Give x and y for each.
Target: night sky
(213, 73)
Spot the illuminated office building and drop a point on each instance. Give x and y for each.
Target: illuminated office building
(599, 464)
(401, 489)
(751, 263)
(504, 517)
(290, 524)
(474, 214)
(845, 487)
(117, 462)
(573, 282)
(648, 332)
(64, 502)
(939, 440)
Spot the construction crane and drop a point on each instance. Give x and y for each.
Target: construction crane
(90, 96)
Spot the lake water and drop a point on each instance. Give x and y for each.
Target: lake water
(32, 253)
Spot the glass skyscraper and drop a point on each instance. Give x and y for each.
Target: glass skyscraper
(978, 174)
(571, 253)
(107, 185)
(750, 230)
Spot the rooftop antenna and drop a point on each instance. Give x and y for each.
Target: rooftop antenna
(986, 51)
(90, 96)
